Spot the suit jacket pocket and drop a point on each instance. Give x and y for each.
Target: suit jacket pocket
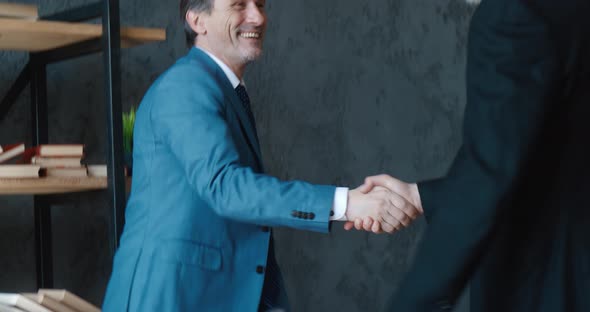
(190, 253)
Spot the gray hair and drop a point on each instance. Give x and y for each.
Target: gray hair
(193, 5)
(473, 2)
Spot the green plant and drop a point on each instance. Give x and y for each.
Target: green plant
(128, 122)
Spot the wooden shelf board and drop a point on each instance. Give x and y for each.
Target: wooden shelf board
(35, 36)
(133, 36)
(50, 185)
(14, 10)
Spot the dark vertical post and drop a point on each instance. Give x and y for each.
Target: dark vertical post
(112, 65)
(15, 90)
(43, 243)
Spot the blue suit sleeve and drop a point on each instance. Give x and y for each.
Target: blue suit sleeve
(187, 115)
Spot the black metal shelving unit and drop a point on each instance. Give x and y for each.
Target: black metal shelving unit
(34, 74)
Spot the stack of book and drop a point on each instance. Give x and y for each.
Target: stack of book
(97, 170)
(58, 160)
(10, 169)
(46, 160)
(45, 300)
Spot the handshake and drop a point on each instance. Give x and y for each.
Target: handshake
(382, 204)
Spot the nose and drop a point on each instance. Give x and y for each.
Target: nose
(255, 15)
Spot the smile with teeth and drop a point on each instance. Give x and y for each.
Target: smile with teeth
(250, 35)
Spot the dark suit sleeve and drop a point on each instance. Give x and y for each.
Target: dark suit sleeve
(510, 74)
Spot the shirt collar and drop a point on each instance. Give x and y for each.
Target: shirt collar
(233, 79)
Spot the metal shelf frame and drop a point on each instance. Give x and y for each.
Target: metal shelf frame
(34, 74)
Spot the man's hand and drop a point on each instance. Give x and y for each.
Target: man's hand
(390, 211)
(408, 202)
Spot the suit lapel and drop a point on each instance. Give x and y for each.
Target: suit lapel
(235, 104)
(247, 125)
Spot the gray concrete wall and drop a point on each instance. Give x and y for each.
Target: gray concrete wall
(345, 89)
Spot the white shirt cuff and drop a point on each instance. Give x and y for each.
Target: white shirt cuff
(340, 203)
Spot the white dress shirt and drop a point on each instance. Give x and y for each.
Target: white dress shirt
(341, 194)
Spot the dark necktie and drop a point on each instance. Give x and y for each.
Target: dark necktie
(243, 95)
(272, 285)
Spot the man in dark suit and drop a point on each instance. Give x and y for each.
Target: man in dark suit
(513, 213)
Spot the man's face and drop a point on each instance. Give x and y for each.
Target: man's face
(235, 30)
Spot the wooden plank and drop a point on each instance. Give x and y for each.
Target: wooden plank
(35, 36)
(14, 10)
(50, 185)
(132, 36)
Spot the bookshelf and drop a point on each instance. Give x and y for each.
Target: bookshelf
(54, 38)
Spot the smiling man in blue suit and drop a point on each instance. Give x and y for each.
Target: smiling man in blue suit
(197, 234)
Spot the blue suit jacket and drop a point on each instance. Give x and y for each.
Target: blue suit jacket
(193, 238)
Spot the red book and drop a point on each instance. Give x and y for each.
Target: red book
(67, 150)
(19, 171)
(66, 172)
(56, 162)
(11, 151)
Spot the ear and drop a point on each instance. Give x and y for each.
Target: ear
(196, 21)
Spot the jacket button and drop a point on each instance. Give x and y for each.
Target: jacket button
(299, 214)
(311, 216)
(294, 214)
(265, 229)
(331, 213)
(305, 215)
(259, 269)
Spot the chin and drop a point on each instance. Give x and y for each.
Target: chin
(250, 56)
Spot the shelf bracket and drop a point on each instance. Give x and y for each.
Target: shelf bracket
(15, 90)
